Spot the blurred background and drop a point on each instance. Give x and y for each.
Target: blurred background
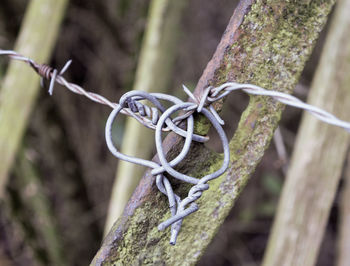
(64, 152)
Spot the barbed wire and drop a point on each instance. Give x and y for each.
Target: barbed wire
(158, 118)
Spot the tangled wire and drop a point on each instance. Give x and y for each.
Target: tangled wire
(159, 119)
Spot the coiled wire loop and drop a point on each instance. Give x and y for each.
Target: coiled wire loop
(177, 206)
(158, 118)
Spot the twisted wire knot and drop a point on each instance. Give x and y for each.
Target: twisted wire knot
(177, 206)
(45, 71)
(143, 110)
(159, 119)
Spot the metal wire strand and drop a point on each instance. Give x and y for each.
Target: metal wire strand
(158, 118)
(49, 73)
(226, 88)
(197, 190)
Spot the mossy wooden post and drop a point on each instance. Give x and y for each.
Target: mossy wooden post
(266, 43)
(318, 156)
(153, 75)
(19, 89)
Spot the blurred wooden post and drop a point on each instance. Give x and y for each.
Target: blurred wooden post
(32, 193)
(153, 75)
(318, 156)
(343, 247)
(19, 89)
(266, 43)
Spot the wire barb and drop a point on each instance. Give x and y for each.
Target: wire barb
(159, 119)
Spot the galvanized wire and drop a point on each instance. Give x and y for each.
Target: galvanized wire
(158, 118)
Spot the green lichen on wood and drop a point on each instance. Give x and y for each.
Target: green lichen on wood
(269, 49)
(201, 125)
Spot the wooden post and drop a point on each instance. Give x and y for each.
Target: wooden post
(343, 247)
(153, 75)
(266, 43)
(318, 156)
(20, 87)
